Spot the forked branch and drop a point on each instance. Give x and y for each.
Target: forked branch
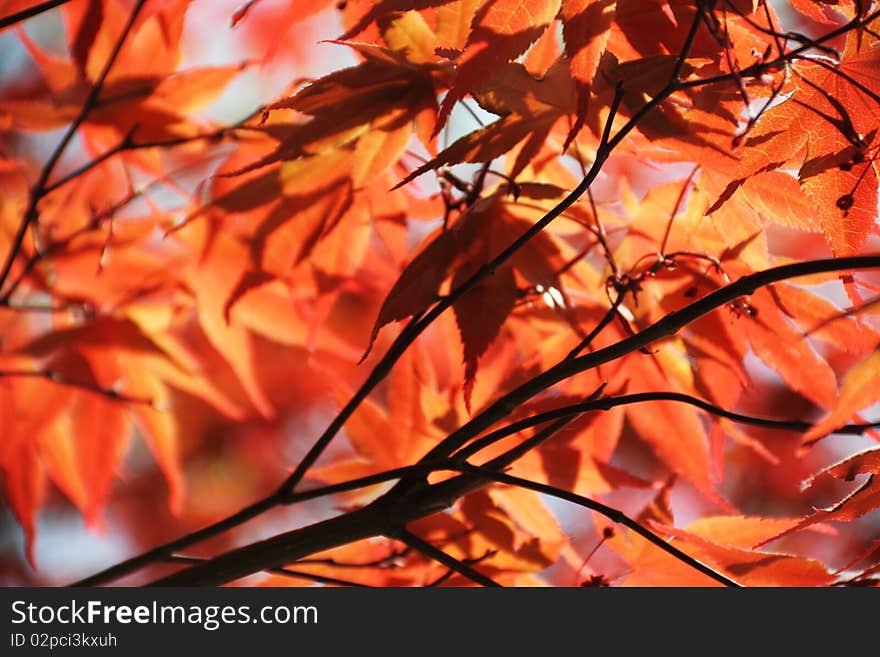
(412, 497)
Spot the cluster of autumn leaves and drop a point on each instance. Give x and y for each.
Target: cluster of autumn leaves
(219, 291)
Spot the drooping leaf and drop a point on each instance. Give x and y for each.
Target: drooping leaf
(528, 108)
(861, 500)
(783, 349)
(418, 284)
(384, 93)
(85, 33)
(859, 389)
(730, 551)
(454, 20)
(674, 431)
(517, 546)
(820, 319)
(776, 196)
(461, 251)
(480, 314)
(586, 28)
(501, 31)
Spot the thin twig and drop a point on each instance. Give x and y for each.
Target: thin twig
(38, 191)
(449, 573)
(607, 318)
(611, 513)
(250, 512)
(30, 12)
(607, 403)
(607, 144)
(667, 326)
(441, 557)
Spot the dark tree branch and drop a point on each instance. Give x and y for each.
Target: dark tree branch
(161, 552)
(449, 573)
(412, 498)
(30, 12)
(607, 403)
(416, 326)
(607, 318)
(606, 146)
(668, 326)
(165, 551)
(609, 512)
(441, 557)
(286, 572)
(377, 518)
